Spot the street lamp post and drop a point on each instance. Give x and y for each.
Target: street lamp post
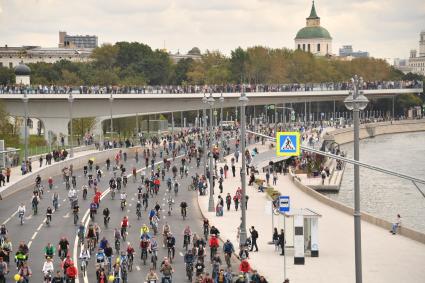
(356, 102)
(275, 119)
(221, 152)
(204, 123)
(211, 207)
(111, 100)
(71, 137)
(243, 233)
(25, 100)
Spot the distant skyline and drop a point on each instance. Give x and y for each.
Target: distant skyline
(385, 28)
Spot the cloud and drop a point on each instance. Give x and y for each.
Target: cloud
(384, 28)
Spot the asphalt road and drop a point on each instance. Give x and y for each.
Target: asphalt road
(37, 234)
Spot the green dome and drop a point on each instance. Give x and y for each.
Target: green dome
(313, 32)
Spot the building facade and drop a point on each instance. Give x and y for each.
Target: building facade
(347, 51)
(314, 38)
(417, 63)
(12, 56)
(77, 41)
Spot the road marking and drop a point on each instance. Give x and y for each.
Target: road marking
(180, 253)
(64, 200)
(8, 219)
(41, 224)
(128, 210)
(138, 268)
(34, 235)
(29, 244)
(66, 215)
(129, 204)
(28, 217)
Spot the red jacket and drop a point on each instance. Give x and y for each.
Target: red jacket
(71, 272)
(244, 266)
(214, 242)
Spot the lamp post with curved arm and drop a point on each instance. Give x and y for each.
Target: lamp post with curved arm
(211, 207)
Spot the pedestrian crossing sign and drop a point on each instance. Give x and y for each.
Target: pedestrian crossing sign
(288, 144)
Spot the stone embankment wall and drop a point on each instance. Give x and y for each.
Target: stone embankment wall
(370, 130)
(366, 131)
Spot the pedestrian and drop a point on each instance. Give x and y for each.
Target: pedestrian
(40, 160)
(8, 171)
(228, 201)
(236, 156)
(226, 168)
(396, 225)
(268, 178)
(323, 173)
(282, 241)
(246, 202)
(234, 170)
(2, 179)
(236, 202)
(274, 178)
(275, 239)
(220, 184)
(254, 237)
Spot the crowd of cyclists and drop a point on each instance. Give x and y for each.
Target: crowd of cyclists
(167, 162)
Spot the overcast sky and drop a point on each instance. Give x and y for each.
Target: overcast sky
(385, 28)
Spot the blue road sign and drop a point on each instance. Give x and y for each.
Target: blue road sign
(284, 204)
(288, 144)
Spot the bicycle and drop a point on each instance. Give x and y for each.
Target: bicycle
(123, 204)
(83, 267)
(189, 271)
(138, 213)
(206, 232)
(106, 221)
(21, 217)
(184, 213)
(76, 217)
(170, 254)
(186, 242)
(112, 194)
(144, 255)
(117, 245)
(154, 259)
(91, 244)
(130, 263)
(227, 257)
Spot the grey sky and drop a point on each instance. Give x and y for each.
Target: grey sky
(385, 28)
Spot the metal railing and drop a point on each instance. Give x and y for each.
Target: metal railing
(414, 180)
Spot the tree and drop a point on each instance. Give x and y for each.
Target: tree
(238, 64)
(105, 56)
(7, 76)
(6, 128)
(181, 69)
(80, 126)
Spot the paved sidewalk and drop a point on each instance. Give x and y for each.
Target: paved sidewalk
(16, 174)
(386, 258)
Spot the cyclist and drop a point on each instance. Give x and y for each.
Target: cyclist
(106, 216)
(50, 182)
(206, 226)
(103, 243)
(145, 198)
(34, 203)
(171, 243)
(169, 183)
(167, 271)
(170, 202)
(199, 267)
(49, 213)
(84, 257)
(124, 225)
(123, 198)
(49, 251)
(189, 258)
(48, 269)
(21, 211)
(55, 200)
(66, 263)
(91, 236)
(37, 180)
(176, 187)
(84, 189)
(183, 206)
(157, 208)
(228, 249)
(75, 210)
(93, 210)
(214, 244)
(63, 247)
(151, 277)
(187, 233)
(81, 231)
(144, 246)
(144, 231)
(130, 252)
(71, 272)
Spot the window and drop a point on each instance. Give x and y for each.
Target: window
(299, 46)
(308, 46)
(29, 123)
(1, 64)
(303, 47)
(10, 65)
(318, 47)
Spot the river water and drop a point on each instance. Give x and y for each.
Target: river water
(382, 195)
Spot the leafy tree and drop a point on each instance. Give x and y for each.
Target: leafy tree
(7, 76)
(181, 69)
(238, 64)
(105, 56)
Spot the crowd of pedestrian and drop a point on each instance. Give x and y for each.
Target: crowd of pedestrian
(225, 88)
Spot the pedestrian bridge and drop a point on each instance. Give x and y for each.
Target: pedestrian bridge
(49, 106)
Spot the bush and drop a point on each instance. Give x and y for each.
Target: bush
(10, 140)
(274, 194)
(35, 140)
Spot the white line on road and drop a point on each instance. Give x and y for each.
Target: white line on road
(66, 215)
(8, 219)
(29, 244)
(138, 268)
(41, 224)
(34, 235)
(180, 253)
